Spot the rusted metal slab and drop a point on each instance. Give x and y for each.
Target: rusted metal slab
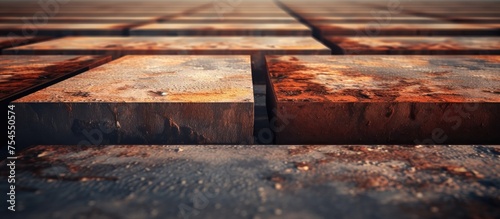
(385, 99)
(75, 19)
(227, 181)
(432, 29)
(386, 19)
(474, 19)
(21, 75)
(415, 45)
(175, 45)
(257, 47)
(230, 19)
(13, 41)
(65, 29)
(243, 12)
(145, 100)
(218, 29)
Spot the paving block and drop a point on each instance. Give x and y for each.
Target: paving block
(13, 41)
(415, 45)
(377, 19)
(385, 99)
(303, 180)
(221, 29)
(75, 19)
(257, 47)
(391, 29)
(145, 100)
(21, 75)
(230, 19)
(474, 19)
(65, 29)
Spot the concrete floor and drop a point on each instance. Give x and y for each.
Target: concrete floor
(257, 182)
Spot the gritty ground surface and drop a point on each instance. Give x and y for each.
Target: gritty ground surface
(258, 182)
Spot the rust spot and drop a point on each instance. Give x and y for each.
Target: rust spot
(81, 94)
(20, 77)
(420, 161)
(291, 82)
(301, 150)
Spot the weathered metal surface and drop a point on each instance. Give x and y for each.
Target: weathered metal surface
(175, 45)
(257, 47)
(145, 100)
(65, 29)
(257, 182)
(75, 19)
(221, 29)
(13, 41)
(415, 45)
(244, 12)
(230, 19)
(21, 75)
(474, 19)
(385, 99)
(432, 29)
(385, 19)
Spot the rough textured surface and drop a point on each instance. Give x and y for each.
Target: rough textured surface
(385, 99)
(218, 29)
(257, 182)
(230, 19)
(416, 45)
(84, 19)
(13, 41)
(21, 75)
(374, 29)
(367, 19)
(257, 47)
(65, 29)
(175, 45)
(146, 100)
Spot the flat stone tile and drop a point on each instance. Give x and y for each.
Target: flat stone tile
(145, 100)
(378, 19)
(389, 181)
(257, 47)
(474, 19)
(13, 41)
(235, 12)
(75, 19)
(366, 29)
(218, 29)
(175, 45)
(21, 75)
(230, 19)
(415, 45)
(385, 99)
(65, 29)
